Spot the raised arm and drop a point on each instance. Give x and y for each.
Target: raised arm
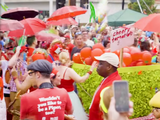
(13, 60)
(77, 78)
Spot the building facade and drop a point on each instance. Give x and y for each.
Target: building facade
(44, 7)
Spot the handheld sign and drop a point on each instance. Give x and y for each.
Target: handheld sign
(122, 37)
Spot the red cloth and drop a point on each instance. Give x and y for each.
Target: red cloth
(55, 57)
(2, 54)
(1, 91)
(94, 112)
(32, 89)
(40, 104)
(70, 47)
(67, 84)
(149, 117)
(30, 52)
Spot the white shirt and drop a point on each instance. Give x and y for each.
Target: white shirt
(89, 43)
(4, 69)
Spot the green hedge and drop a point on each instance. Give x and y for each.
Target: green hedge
(142, 83)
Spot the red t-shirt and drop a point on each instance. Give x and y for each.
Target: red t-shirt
(1, 85)
(30, 52)
(94, 112)
(70, 47)
(45, 104)
(55, 58)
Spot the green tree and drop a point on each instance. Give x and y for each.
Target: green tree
(150, 3)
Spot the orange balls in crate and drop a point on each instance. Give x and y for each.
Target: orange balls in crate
(77, 58)
(147, 58)
(86, 52)
(88, 61)
(98, 45)
(96, 52)
(127, 59)
(136, 54)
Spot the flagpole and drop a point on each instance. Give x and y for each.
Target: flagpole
(50, 7)
(139, 6)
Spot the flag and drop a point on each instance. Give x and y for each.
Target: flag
(93, 14)
(22, 41)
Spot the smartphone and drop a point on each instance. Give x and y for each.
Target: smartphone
(121, 95)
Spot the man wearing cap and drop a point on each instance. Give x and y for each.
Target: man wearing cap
(47, 102)
(107, 68)
(69, 46)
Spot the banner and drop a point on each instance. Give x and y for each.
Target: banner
(122, 37)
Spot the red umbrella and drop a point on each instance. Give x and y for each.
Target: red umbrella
(20, 13)
(48, 37)
(149, 23)
(66, 21)
(31, 26)
(67, 11)
(10, 25)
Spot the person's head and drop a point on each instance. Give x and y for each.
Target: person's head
(105, 95)
(79, 39)
(31, 41)
(39, 54)
(85, 35)
(74, 28)
(55, 78)
(66, 32)
(1, 35)
(154, 102)
(106, 44)
(55, 46)
(40, 71)
(108, 64)
(67, 40)
(145, 45)
(64, 57)
(135, 42)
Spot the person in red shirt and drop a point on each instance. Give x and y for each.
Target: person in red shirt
(107, 68)
(69, 46)
(47, 102)
(54, 50)
(32, 43)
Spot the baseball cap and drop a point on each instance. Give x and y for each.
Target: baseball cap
(67, 36)
(41, 66)
(111, 58)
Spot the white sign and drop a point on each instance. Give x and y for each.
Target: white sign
(122, 37)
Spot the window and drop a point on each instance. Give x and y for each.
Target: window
(43, 14)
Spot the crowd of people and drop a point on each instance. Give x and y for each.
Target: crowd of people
(42, 75)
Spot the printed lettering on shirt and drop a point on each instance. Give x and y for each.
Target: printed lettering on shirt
(43, 118)
(54, 118)
(49, 105)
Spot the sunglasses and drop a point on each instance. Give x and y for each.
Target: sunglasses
(78, 33)
(30, 73)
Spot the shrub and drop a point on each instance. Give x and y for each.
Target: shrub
(142, 83)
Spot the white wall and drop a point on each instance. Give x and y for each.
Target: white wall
(113, 7)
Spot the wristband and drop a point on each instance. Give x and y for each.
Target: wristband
(14, 78)
(90, 72)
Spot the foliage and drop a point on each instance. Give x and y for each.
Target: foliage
(142, 83)
(150, 3)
